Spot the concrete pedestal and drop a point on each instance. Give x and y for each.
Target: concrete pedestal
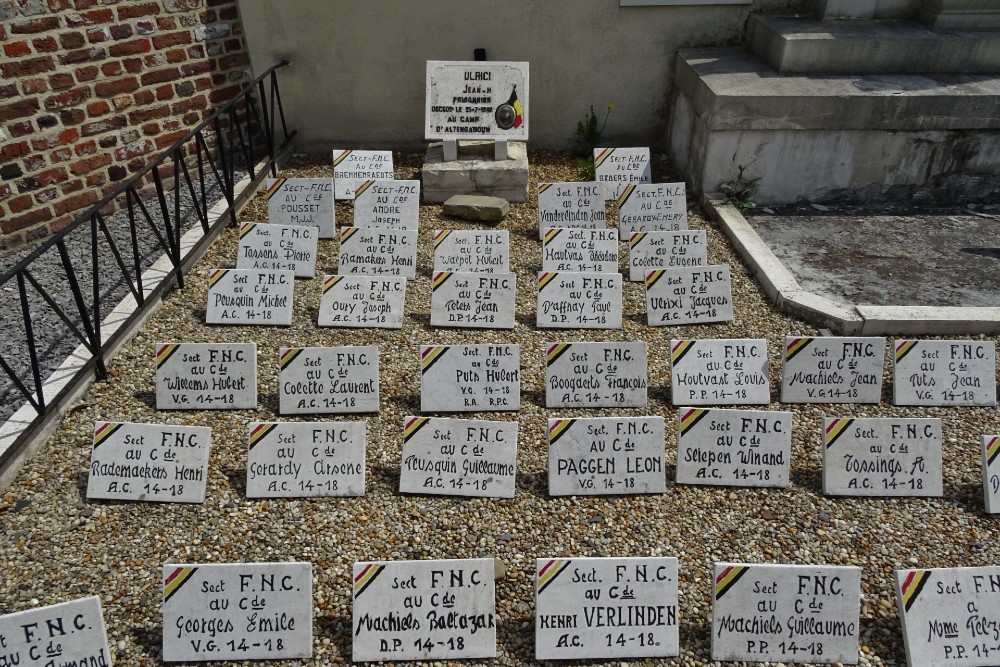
(475, 172)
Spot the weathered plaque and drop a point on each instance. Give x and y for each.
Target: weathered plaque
(733, 447)
(328, 380)
(991, 473)
(250, 296)
(351, 168)
(278, 247)
(378, 252)
(580, 250)
(237, 611)
(596, 375)
(375, 302)
(473, 300)
(832, 370)
(68, 633)
(304, 202)
(786, 613)
(459, 457)
(470, 378)
(689, 296)
(604, 456)
(945, 372)
(387, 204)
(305, 459)
(155, 462)
(605, 608)
(206, 376)
(572, 300)
(882, 457)
(424, 610)
(652, 207)
(719, 372)
(476, 100)
(618, 168)
(648, 251)
(472, 250)
(572, 205)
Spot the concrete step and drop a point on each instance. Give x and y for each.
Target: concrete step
(807, 45)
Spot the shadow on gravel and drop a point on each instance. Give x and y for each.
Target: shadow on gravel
(810, 478)
(237, 480)
(147, 398)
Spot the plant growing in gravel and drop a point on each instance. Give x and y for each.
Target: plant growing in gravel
(739, 191)
(588, 137)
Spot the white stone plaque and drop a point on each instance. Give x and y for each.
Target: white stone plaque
(305, 459)
(250, 296)
(733, 447)
(882, 457)
(267, 611)
(278, 247)
(616, 168)
(378, 252)
(605, 456)
(589, 608)
(596, 375)
(944, 372)
(476, 100)
(375, 302)
(328, 380)
(472, 250)
(424, 610)
(832, 370)
(351, 168)
(689, 296)
(302, 202)
(470, 378)
(580, 250)
(648, 251)
(652, 207)
(786, 613)
(68, 633)
(459, 457)
(571, 300)
(155, 462)
(571, 205)
(991, 473)
(387, 204)
(473, 300)
(719, 371)
(206, 376)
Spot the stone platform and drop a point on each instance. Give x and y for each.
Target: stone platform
(475, 172)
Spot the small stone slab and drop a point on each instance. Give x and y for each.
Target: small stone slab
(66, 633)
(648, 251)
(362, 301)
(378, 252)
(423, 610)
(604, 456)
(351, 168)
(473, 300)
(475, 172)
(304, 202)
(149, 462)
(616, 168)
(719, 372)
(580, 250)
(786, 613)
(652, 207)
(572, 300)
(477, 208)
(830, 369)
(944, 373)
(459, 457)
(472, 250)
(387, 204)
(470, 378)
(589, 608)
(305, 459)
(596, 375)
(328, 380)
(882, 457)
(689, 296)
(278, 248)
(250, 296)
(206, 376)
(237, 611)
(571, 205)
(733, 447)
(476, 100)
(991, 473)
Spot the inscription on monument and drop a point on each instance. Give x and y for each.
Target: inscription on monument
(387, 204)
(377, 252)
(944, 372)
(305, 459)
(652, 207)
(648, 251)
(832, 370)
(580, 250)
(617, 168)
(595, 375)
(568, 300)
(473, 300)
(250, 296)
(689, 296)
(206, 376)
(476, 100)
(470, 378)
(328, 380)
(351, 168)
(362, 301)
(606, 456)
(69, 633)
(571, 205)
(991, 473)
(472, 250)
(719, 372)
(302, 202)
(733, 447)
(278, 247)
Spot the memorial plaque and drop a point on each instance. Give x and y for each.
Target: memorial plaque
(250, 296)
(424, 610)
(570, 300)
(351, 168)
(476, 100)
(362, 301)
(689, 296)
(377, 252)
(604, 456)
(733, 447)
(470, 378)
(832, 370)
(328, 380)
(719, 372)
(387, 204)
(786, 613)
(305, 459)
(206, 376)
(580, 250)
(459, 457)
(571, 205)
(589, 608)
(68, 633)
(882, 457)
(154, 462)
(596, 375)
(278, 248)
(945, 372)
(473, 300)
(472, 250)
(991, 473)
(304, 202)
(616, 168)
(652, 207)
(648, 251)
(268, 611)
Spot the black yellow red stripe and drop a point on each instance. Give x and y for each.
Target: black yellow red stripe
(288, 356)
(216, 275)
(728, 578)
(330, 281)
(558, 429)
(340, 158)
(365, 578)
(104, 431)
(413, 426)
(602, 156)
(555, 351)
(626, 193)
(430, 355)
(992, 449)
(903, 348)
(542, 187)
(653, 277)
(164, 354)
(347, 232)
(634, 239)
(440, 278)
(914, 583)
(259, 432)
(275, 187)
(795, 346)
(680, 350)
(545, 278)
(835, 430)
(175, 580)
(440, 235)
(692, 417)
(550, 234)
(549, 572)
(246, 228)
(361, 188)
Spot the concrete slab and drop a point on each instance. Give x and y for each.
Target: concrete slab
(475, 172)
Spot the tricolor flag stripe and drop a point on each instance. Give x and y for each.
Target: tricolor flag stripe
(366, 577)
(275, 187)
(542, 187)
(440, 279)
(104, 431)
(330, 281)
(796, 346)
(690, 418)
(550, 234)
(602, 156)
(340, 158)
(215, 276)
(725, 581)
(413, 426)
(348, 232)
(626, 193)
(904, 348)
(288, 356)
(175, 580)
(914, 583)
(259, 433)
(440, 236)
(653, 277)
(549, 572)
(361, 188)
(164, 353)
(430, 356)
(634, 239)
(546, 278)
(836, 429)
(558, 429)
(554, 352)
(992, 450)
(246, 228)
(680, 350)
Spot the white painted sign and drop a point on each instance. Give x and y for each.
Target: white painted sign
(250, 296)
(470, 378)
(68, 633)
(351, 168)
(206, 376)
(378, 252)
(652, 207)
(689, 296)
(473, 300)
(571, 205)
(944, 372)
(305, 459)
(596, 375)
(617, 168)
(580, 250)
(648, 251)
(387, 204)
(733, 447)
(570, 300)
(991, 473)
(304, 202)
(278, 248)
(328, 380)
(832, 370)
(472, 250)
(375, 302)
(476, 100)
(719, 371)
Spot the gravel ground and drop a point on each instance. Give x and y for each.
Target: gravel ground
(59, 546)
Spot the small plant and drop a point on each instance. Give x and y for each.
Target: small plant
(739, 191)
(588, 137)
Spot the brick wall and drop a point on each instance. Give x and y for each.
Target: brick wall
(91, 90)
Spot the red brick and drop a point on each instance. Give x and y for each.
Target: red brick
(34, 162)
(61, 154)
(171, 124)
(3, 31)
(80, 201)
(223, 94)
(20, 203)
(84, 4)
(67, 98)
(130, 48)
(86, 148)
(176, 56)
(13, 150)
(8, 91)
(31, 86)
(18, 109)
(144, 97)
(82, 56)
(136, 164)
(5, 191)
(96, 179)
(160, 76)
(164, 93)
(87, 73)
(132, 65)
(59, 5)
(126, 84)
(122, 101)
(107, 141)
(134, 149)
(233, 45)
(61, 81)
(103, 125)
(72, 116)
(72, 40)
(195, 102)
(98, 108)
(234, 61)
(121, 31)
(131, 10)
(219, 3)
(228, 14)
(19, 68)
(98, 34)
(200, 67)
(140, 116)
(168, 139)
(27, 220)
(93, 17)
(16, 49)
(71, 186)
(32, 26)
(90, 164)
(147, 27)
(111, 68)
(45, 44)
(55, 175)
(191, 118)
(62, 223)
(207, 17)
(172, 39)
(19, 129)
(166, 23)
(196, 51)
